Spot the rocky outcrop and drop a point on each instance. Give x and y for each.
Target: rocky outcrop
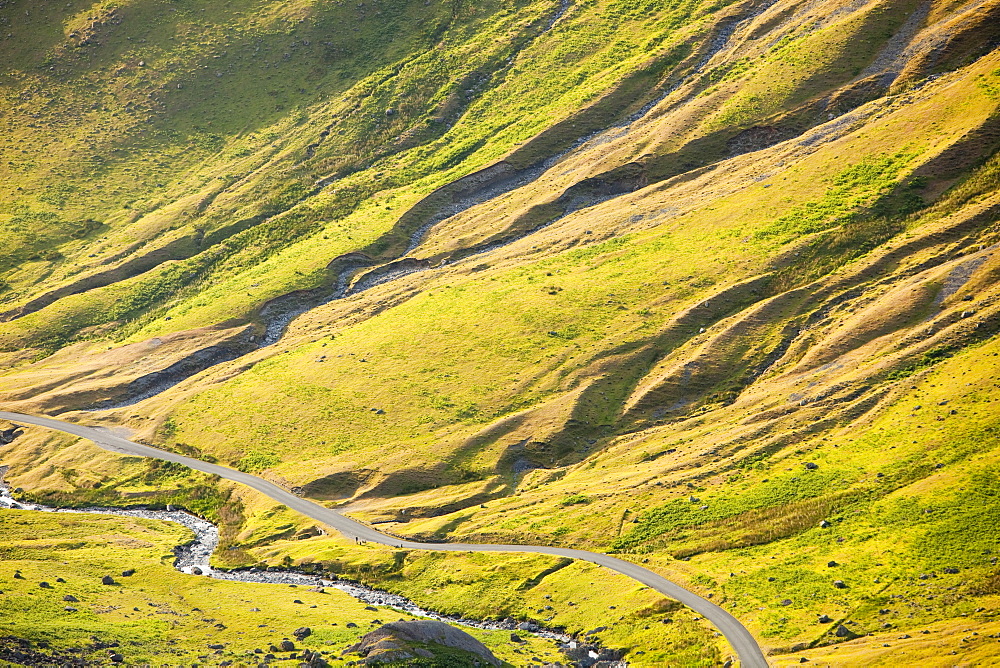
(401, 641)
(8, 435)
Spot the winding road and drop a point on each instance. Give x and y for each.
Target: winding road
(739, 637)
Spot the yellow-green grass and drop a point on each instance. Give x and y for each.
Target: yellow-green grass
(232, 287)
(543, 333)
(577, 596)
(316, 401)
(262, 158)
(969, 642)
(895, 514)
(805, 62)
(160, 613)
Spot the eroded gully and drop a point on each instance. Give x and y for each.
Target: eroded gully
(469, 191)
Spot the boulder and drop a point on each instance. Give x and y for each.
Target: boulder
(399, 641)
(45, 585)
(839, 584)
(107, 580)
(128, 573)
(843, 632)
(69, 598)
(302, 632)
(825, 619)
(287, 646)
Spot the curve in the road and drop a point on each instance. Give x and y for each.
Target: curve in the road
(738, 636)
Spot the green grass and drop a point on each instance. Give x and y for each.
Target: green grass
(159, 612)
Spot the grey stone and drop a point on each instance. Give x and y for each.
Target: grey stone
(395, 642)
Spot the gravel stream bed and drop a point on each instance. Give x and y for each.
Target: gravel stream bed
(194, 558)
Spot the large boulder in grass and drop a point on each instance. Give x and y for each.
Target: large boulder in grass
(399, 641)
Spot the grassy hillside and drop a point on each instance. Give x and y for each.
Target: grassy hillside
(158, 612)
(712, 286)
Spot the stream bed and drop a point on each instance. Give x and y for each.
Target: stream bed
(194, 559)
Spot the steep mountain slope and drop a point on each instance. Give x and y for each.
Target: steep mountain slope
(679, 280)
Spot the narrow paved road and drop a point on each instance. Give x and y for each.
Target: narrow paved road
(742, 641)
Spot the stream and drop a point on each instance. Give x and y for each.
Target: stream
(194, 559)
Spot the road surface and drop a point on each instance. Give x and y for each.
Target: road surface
(741, 640)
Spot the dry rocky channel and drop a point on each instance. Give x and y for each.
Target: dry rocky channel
(194, 557)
